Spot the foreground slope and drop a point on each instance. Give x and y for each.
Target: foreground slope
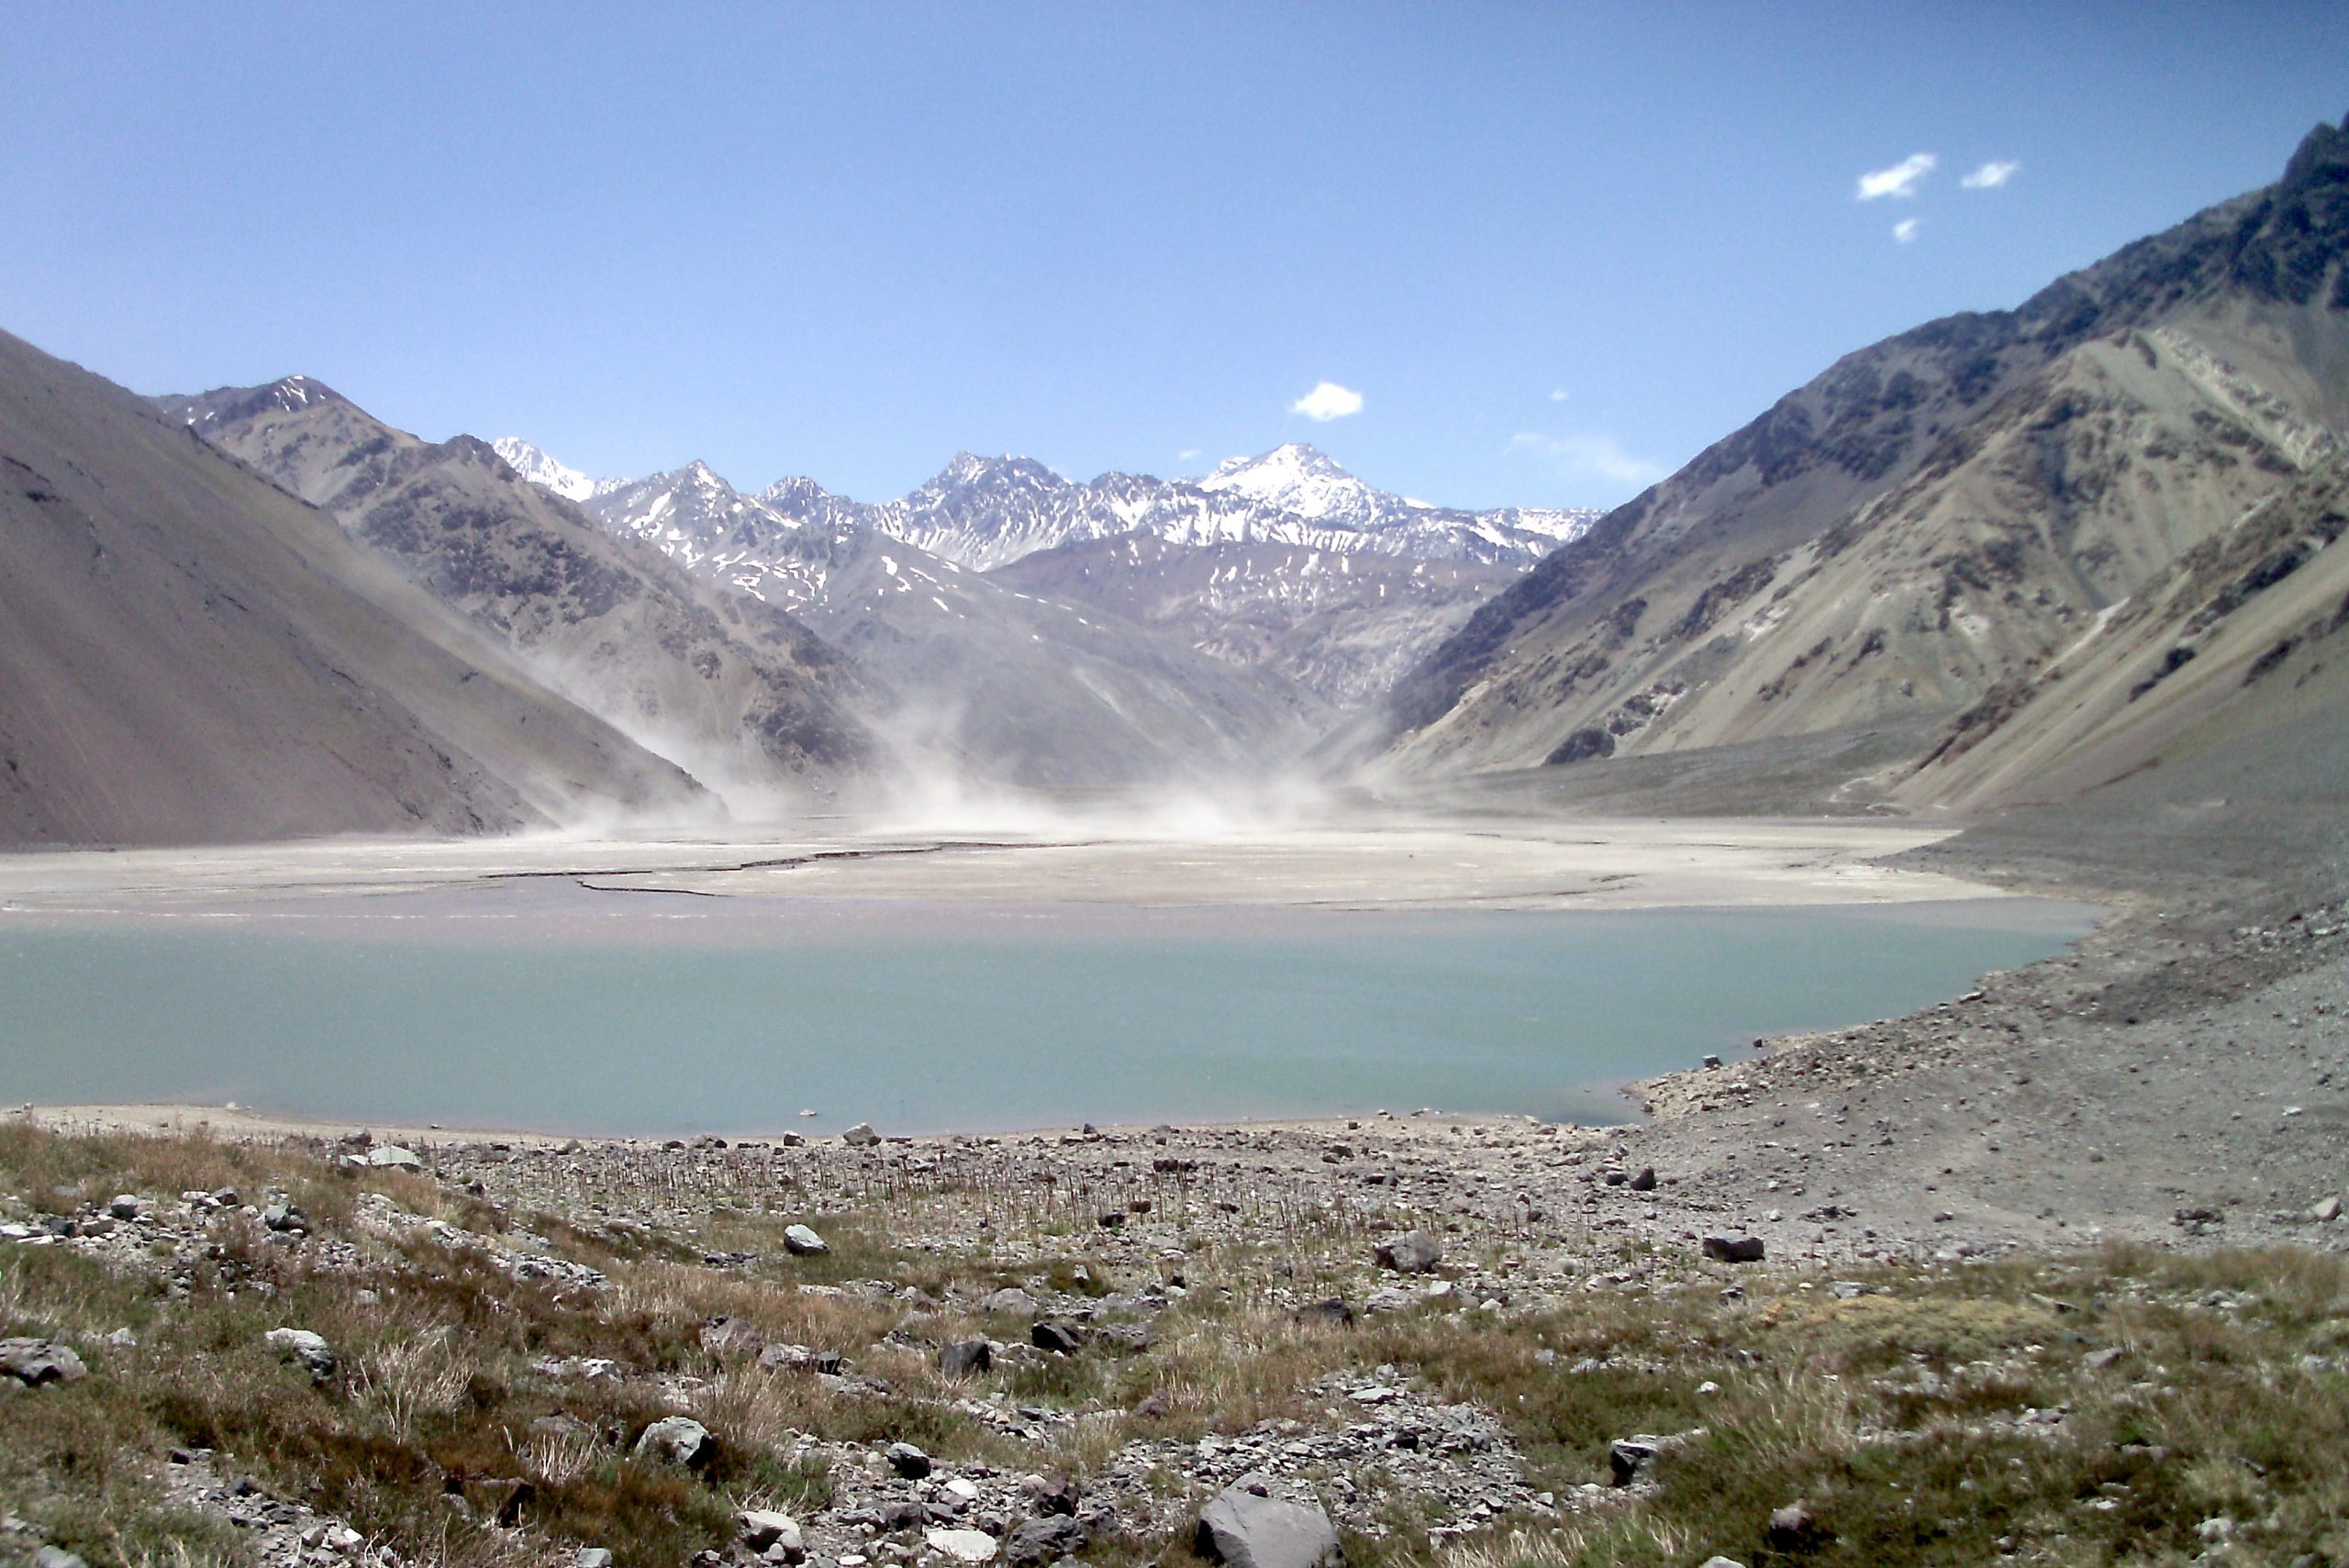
(189, 655)
(1937, 518)
(730, 687)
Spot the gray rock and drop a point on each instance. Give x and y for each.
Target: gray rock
(57, 1557)
(126, 1207)
(1051, 1494)
(677, 1439)
(1792, 1527)
(1045, 1539)
(774, 1536)
(593, 1557)
(1010, 1299)
(2324, 1213)
(963, 1545)
(1413, 1252)
(861, 1136)
(802, 1243)
(1645, 1180)
(1059, 1339)
(1722, 1563)
(287, 1216)
(725, 1336)
(1732, 1248)
(965, 1358)
(392, 1157)
(311, 1350)
(908, 1460)
(36, 1361)
(1631, 1461)
(1244, 1530)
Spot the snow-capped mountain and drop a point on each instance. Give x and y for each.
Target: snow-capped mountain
(1285, 564)
(545, 473)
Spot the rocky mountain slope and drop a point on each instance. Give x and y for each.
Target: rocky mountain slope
(729, 686)
(1029, 689)
(1942, 525)
(194, 655)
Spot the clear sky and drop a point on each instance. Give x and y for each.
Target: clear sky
(1545, 252)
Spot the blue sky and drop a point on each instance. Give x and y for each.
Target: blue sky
(1554, 250)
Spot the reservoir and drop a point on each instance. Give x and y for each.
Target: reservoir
(654, 1014)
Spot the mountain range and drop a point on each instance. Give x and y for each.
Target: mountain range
(2005, 557)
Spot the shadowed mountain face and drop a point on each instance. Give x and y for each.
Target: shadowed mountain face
(1942, 525)
(1028, 688)
(731, 688)
(189, 655)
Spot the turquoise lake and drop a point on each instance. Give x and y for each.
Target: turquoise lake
(670, 1018)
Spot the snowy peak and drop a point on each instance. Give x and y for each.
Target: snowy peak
(544, 470)
(1302, 481)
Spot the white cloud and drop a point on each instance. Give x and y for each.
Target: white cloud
(1902, 180)
(1991, 175)
(1327, 401)
(1586, 455)
(1558, 395)
(1187, 454)
(1905, 230)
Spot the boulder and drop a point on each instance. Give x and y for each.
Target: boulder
(1010, 1299)
(965, 1358)
(963, 1545)
(1645, 1180)
(1631, 1461)
(1244, 1530)
(593, 1557)
(1043, 1540)
(906, 1460)
(861, 1136)
(57, 1557)
(677, 1439)
(392, 1157)
(126, 1207)
(776, 1536)
(1060, 1339)
(287, 1216)
(2324, 1213)
(1732, 1248)
(802, 1242)
(311, 1350)
(1722, 1563)
(1792, 1527)
(1413, 1252)
(36, 1361)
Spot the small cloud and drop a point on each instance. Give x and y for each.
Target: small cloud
(1991, 175)
(1327, 401)
(1586, 455)
(1905, 230)
(1902, 180)
(1558, 395)
(1187, 454)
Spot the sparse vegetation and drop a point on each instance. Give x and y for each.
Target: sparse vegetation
(2121, 1404)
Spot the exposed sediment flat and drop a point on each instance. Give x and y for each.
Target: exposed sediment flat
(1400, 863)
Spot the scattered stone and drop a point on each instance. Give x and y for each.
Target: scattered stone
(1645, 1180)
(776, 1536)
(861, 1136)
(1045, 1539)
(1732, 1248)
(1631, 1461)
(1722, 1563)
(1413, 1252)
(287, 1216)
(802, 1243)
(392, 1157)
(1242, 1528)
(126, 1207)
(593, 1557)
(965, 1358)
(679, 1440)
(34, 1363)
(963, 1545)
(2326, 1212)
(908, 1460)
(57, 1557)
(1051, 1494)
(311, 1350)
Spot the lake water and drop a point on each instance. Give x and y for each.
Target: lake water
(662, 1015)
